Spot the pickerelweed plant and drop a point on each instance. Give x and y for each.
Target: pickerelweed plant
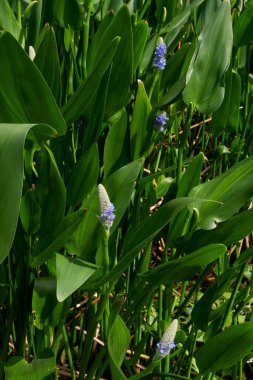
(126, 186)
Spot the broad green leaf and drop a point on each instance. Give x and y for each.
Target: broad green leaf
(117, 373)
(66, 13)
(47, 61)
(71, 273)
(184, 268)
(140, 35)
(190, 179)
(227, 116)
(80, 100)
(56, 237)
(182, 18)
(47, 309)
(83, 177)
(141, 129)
(85, 240)
(30, 213)
(24, 94)
(147, 55)
(202, 309)
(12, 141)
(8, 20)
(41, 368)
(175, 64)
(174, 76)
(164, 186)
(172, 92)
(212, 57)
(226, 348)
(144, 233)
(117, 150)
(122, 61)
(50, 190)
(243, 27)
(232, 188)
(95, 126)
(231, 231)
(31, 22)
(118, 341)
(95, 41)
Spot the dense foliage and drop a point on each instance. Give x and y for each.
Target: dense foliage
(126, 185)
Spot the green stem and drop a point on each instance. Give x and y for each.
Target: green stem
(86, 39)
(69, 354)
(19, 12)
(145, 7)
(95, 365)
(92, 330)
(233, 296)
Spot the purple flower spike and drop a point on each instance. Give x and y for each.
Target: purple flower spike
(160, 121)
(107, 208)
(167, 341)
(160, 51)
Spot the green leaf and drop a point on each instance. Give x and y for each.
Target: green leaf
(229, 232)
(71, 273)
(95, 41)
(116, 151)
(184, 268)
(47, 309)
(232, 188)
(190, 179)
(31, 22)
(118, 341)
(50, 190)
(182, 18)
(47, 61)
(85, 240)
(56, 237)
(24, 94)
(227, 116)
(83, 177)
(80, 100)
(174, 76)
(66, 13)
(12, 141)
(226, 348)
(96, 112)
(30, 213)
(143, 233)
(122, 61)
(147, 55)
(202, 309)
(140, 131)
(212, 57)
(8, 20)
(41, 368)
(140, 35)
(243, 27)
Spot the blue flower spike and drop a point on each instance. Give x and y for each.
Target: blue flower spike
(107, 209)
(160, 51)
(160, 121)
(167, 341)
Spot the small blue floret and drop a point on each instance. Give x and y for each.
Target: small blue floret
(161, 120)
(159, 60)
(107, 216)
(164, 349)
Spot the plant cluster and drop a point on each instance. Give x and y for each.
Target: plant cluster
(126, 186)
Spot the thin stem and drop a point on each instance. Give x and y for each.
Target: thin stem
(69, 354)
(233, 296)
